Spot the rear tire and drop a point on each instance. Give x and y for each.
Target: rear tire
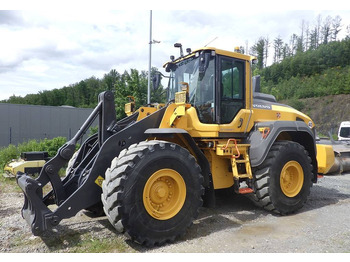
(282, 182)
(153, 192)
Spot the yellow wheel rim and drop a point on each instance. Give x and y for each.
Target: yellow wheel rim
(292, 178)
(164, 194)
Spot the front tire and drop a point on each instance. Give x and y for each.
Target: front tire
(153, 192)
(94, 210)
(282, 182)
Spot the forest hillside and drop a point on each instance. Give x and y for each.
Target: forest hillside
(310, 72)
(316, 82)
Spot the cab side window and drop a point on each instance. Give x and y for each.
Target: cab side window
(232, 88)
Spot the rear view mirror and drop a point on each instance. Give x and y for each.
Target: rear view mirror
(204, 59)
(156, 81)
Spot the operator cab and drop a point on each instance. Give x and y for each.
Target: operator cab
(216, 81)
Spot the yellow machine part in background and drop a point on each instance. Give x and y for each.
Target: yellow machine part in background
(325, 158)
(21, 165)
(333, 158)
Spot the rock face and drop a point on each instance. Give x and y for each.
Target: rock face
(327, 112)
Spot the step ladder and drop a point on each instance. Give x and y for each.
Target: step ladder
(241, 169)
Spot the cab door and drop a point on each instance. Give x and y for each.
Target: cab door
(231, 94)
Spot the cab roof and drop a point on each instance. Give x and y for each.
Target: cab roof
(217, 51)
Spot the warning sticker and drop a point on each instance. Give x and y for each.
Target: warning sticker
(99, 181)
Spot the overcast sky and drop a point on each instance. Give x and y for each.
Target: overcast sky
(46, 49)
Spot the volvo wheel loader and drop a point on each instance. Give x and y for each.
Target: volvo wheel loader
(152, 171)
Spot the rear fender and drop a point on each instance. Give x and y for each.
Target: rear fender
(264, 134)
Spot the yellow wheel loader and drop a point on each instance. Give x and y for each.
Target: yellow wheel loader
(152, 171)
(29, 163)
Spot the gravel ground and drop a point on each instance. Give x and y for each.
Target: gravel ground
(235, 225)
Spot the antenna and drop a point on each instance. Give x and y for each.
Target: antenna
(211, 41)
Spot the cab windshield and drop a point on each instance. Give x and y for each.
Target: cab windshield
(200, 77)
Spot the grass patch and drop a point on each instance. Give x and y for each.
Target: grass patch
(78, 242)
(8, 185)
(107, 245)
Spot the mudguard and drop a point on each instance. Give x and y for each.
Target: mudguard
(264, 134)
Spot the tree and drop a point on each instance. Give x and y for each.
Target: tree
(82, 93)
(299, 45)
(285, 51)
(318, 28)
(278, 49)
(258, 49)
(313, 39)
(326, 30)
(130, 84)
(300, 40)
(347, 37)
(158, 94)
(266, 51)
(293, 44)
(94, 87)
(336, 27)
(110, 79)
(307, 37)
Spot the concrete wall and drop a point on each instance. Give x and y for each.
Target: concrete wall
(20, 123)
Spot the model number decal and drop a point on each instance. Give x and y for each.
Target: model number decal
(260, 106)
